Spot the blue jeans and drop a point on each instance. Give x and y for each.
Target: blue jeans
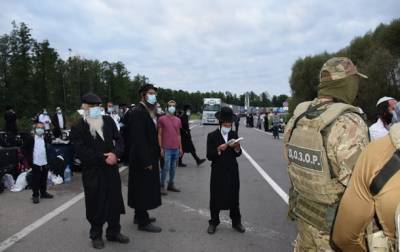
(170, 160)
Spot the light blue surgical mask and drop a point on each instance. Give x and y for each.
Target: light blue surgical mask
(151, 99)
(110, 110)
(95, 112)
(225, 130)
(39, 131)
(171, 110)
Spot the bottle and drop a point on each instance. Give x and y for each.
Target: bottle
(67, 175)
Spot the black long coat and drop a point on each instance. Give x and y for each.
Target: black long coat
(56, 124)
(10, 119)
(186, 137)
(101, 182)
(144, 184)
(224, 182)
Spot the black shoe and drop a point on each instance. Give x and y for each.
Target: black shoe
(98, 243)
(211, 229)
(150, 228)
(201, 161)
(182, 165)
(239, 227)
(46, 195)
(35, 200)
(172, 188)
(120, 238)
(151, 219)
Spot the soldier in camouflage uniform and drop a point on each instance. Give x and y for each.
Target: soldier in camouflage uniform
(323, 140)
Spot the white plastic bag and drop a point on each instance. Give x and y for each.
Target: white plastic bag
(20, 184)
(54, 180)
(8, 181)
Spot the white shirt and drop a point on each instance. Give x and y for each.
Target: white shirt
(225, 136)
(60, 120)
(378, 130)
(45, 119)
(116, 119)
(39, 152)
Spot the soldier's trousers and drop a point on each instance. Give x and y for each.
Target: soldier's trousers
(311, 239)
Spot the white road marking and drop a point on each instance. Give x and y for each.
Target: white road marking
(193, 126)
(43, 220)
(206, 213)
(226, 221)
(269, 180)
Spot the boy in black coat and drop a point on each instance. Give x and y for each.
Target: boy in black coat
(224, 183)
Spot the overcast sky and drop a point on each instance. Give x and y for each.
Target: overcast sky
(201, 45)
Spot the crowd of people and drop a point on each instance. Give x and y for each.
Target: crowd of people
(345, 188)
(345, 184)
(152, 142)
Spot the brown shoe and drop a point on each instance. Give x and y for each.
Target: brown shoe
(172, 188)
(163, 191)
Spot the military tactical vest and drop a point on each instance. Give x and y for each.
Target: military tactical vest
(316, 191)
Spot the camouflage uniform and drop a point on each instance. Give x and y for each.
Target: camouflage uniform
(344, 141)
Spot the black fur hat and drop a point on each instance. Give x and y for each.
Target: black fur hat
(225, 115)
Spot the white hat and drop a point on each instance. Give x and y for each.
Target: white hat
(384, 99)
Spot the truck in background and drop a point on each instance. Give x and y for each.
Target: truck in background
(210, 107)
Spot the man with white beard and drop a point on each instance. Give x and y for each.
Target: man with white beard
(97, 144)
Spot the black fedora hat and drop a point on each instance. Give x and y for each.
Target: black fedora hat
(225, 115)
(91, 98)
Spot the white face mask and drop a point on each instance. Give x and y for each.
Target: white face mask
(225, 130)
(171, 110)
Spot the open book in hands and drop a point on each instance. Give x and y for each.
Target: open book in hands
(234, 141)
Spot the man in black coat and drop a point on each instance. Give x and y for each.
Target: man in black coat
(97, 144)
(59, 122)
(36, 151)
(144, 174)
(224, 182)
(186, 138)
(10, 118)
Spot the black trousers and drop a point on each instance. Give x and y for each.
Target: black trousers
(194, 154)
(39, 180)
(142, 217)
(113, 226)
(234, 214)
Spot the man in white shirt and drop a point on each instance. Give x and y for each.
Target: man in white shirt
(45, 119)
(36, 153)
(385, 107)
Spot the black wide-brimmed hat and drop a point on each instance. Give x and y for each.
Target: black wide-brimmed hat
(225, 115)
(91, 98)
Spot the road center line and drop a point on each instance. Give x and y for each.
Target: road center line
(269, 180)
(43, 220)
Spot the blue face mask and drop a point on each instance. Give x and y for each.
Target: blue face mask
(95, 112)
(171, 109)
(39, 131)
(225, 130)
(151, 99)
(110, 110)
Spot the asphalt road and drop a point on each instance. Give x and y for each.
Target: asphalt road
(60, 225)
